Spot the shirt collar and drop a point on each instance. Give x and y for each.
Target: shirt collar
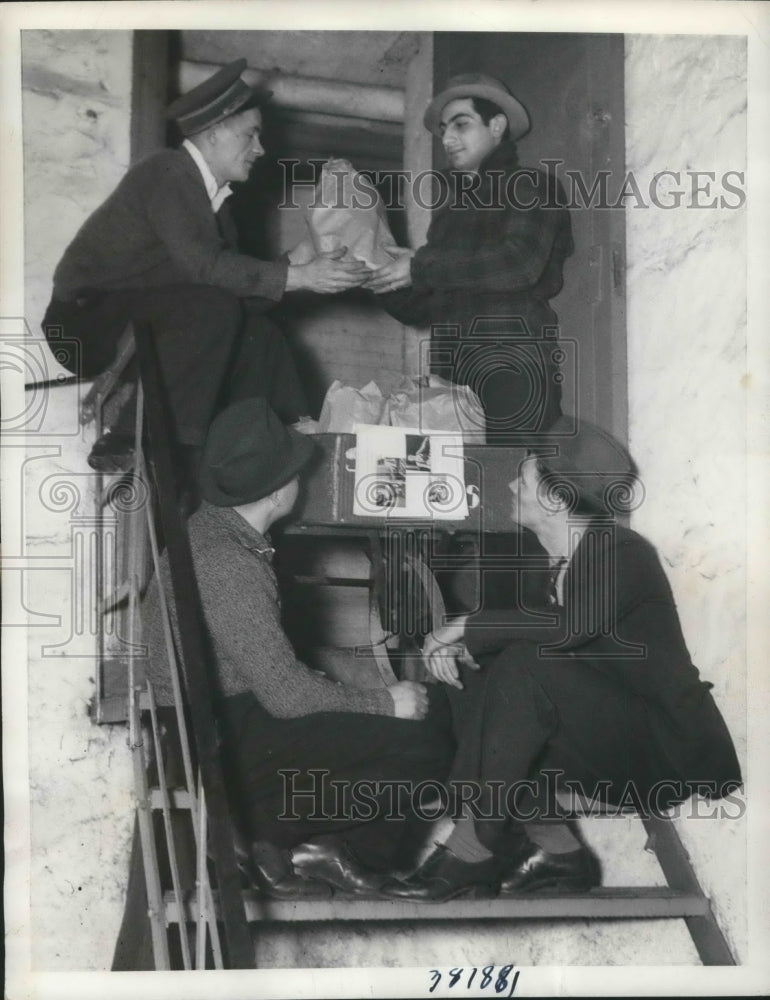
(217, 194)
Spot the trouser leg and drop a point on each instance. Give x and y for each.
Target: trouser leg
(516, 380)
(263, 366)
(526, 724)
(335, 773)
(194, 329)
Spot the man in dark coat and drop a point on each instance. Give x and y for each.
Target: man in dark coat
(493, 259)
(592, 691)
(163, 249)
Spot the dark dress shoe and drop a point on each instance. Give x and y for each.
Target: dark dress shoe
(444, 876)
(112, 452)
(534, 869)
(329, 860)
(271, 874)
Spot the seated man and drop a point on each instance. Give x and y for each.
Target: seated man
(163, 249)
(594, 689)
(288, 729)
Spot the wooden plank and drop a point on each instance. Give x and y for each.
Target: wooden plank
(608, 903)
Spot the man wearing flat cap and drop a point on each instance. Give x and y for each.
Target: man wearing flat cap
(493, 259)
(163, 249)
(589, 690)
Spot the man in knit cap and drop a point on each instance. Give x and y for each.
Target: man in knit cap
(162, 249)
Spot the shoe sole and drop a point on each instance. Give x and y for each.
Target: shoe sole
(560, 884)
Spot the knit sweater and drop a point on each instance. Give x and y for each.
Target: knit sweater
(250, 652)
(157, 228)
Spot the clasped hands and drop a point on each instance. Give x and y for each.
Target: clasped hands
(443, 651)
(329, 273)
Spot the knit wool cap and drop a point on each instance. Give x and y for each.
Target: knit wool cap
(590, 461)
(249, 454)
(479, 85)
(226, 93)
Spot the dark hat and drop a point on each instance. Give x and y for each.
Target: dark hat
(479, 85)
(225, 93)
(590, 464)
(249, 454)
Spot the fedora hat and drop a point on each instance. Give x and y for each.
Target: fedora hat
(590, 462)
(227, 92)
(479, 85)
(249, 454)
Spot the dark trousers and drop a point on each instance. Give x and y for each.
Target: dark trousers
(341, 774)
(348, 747)
(213, 349)
(522, 715)
(518, 384)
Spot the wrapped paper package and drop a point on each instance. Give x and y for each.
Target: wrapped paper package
(347, 212)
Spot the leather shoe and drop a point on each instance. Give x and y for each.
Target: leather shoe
(534, 869)
(112, 452)
(444, 876)
(271, 874)
(329, 860)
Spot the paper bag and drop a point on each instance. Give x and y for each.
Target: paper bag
(344, 406)
(347, 212)
(434, 404)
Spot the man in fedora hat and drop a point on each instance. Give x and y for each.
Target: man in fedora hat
(493, 259)
(280, 717)
(163, 249)
(590, 690)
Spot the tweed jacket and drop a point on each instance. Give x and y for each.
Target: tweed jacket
(157, 229)
(497, 251)
(619, 616)
(250, 652)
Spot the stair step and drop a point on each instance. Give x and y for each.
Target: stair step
(610, 902)
(179, 798)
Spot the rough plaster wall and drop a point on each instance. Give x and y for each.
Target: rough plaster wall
(76, 108)
(686, 356)
(76, 89)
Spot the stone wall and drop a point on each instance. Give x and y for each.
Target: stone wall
(687, 386)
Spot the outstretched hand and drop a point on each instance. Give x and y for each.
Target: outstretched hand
(444, 649)
(327, 273)
(395, 274)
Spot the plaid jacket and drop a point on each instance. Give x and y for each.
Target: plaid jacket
(494, 252)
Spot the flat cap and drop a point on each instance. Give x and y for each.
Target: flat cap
(225, 93)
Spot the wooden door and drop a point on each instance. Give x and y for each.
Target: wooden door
(572, 86)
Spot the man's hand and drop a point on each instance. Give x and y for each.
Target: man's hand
(410, 700)
(444, 648)
(396, 274)
(303, 252)
(327, 273)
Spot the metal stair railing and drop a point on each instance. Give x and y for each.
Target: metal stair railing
(215, 829)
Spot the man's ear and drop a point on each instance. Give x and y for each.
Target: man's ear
(498, 124)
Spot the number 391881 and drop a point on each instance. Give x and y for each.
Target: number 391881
(500, 980)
